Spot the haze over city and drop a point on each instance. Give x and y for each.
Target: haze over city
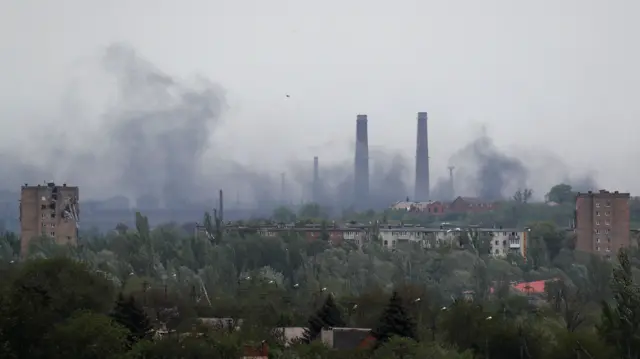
(177, 99)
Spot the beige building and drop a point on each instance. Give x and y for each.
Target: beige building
(49, 210)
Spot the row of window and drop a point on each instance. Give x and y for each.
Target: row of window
(598, 240)
(605, 231)
(607, 204)
(606, 222)
(606, 213)
(607, 250)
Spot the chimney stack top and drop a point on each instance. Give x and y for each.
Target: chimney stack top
(362, 118)
(422, 115)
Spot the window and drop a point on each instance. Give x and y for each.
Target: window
(607, 222)
(598, 213)
(386, 243)
(597, 204)
(597, 223)
(43, 206)
(608, 249)
(608, 203)
(597, 231)
(497, 242)
(43, 215)
(607, 213)
(598, 249)
(597, 239)
(53, 234)
(606, 230)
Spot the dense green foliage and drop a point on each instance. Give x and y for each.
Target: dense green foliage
(101, 298)
(328, 316)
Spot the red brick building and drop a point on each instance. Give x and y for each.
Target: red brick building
(470, 205)
(602, 222)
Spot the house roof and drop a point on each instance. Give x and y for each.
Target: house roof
(536, 287)
(349, 338)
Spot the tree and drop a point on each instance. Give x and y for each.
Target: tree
(395, 321)
(620, 324)
(523, 196)
(329, 316)
(561, 193)
(86, 335)
(131, 316)
(567, 301)
(45, 293)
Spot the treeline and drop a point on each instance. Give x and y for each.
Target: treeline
(61, 308)
(449, 303)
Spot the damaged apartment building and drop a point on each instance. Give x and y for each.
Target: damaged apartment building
(49, 210)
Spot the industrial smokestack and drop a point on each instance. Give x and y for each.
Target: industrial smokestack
(221, 205)
(316, 181)
(283, 190)
(452, 190)
(361, 175)
(422, 160)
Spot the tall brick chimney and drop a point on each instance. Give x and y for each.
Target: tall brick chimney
(422, 160)
(361, 173)
(316, 181)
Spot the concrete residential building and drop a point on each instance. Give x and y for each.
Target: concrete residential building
(49, 210)
(602, 222)
(503, 240)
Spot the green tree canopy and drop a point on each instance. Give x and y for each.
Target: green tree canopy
(328, 316)
(395, 321)
(561, 193)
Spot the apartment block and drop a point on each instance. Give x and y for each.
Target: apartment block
(49, 210)
(503, 241)
(602, 222)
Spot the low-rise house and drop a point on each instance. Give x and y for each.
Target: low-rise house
(347, 338)
(260, 351)
(289, 335)
(471, 205)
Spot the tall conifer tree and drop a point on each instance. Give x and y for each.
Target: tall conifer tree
(395, 321)
(329, 316)
(130, 315)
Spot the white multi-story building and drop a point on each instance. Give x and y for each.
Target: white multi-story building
(503, 241)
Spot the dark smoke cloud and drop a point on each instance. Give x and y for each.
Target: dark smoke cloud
(486, 171)
(160, 128)
(483, 170)
(151, 139)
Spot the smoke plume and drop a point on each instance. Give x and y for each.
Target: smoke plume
(149, 141)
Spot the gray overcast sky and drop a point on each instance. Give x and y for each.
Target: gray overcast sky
(544, 76)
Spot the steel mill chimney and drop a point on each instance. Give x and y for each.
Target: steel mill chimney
(361, 173)
(422, 160)
(316, 181)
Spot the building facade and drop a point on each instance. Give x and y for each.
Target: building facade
(49, 210)
(503, 241)
(470, 205)
(602, 222)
